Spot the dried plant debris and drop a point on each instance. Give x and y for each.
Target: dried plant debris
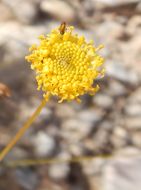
(4, 91)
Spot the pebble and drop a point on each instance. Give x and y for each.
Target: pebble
(138, 8)
(119, 72)
(100, 139)
(6, 13)
(116, 88)
(111, 29)
(59, 171)
(127, 152)
(44, 144)
(136, 138)
(122, 173)
(64, 111)
(61, 11)
(18, 154)
(116, 3)
(133, 109)
(135, 97)
(75, 148)
(27, 178)
(133, 59)
(119, 137)
(133, 122)
(45, 114)
(93, 167)
(90, 116)
(73, 129)
(15, 42)
(103, 101)
(133, 27)
(25, 11)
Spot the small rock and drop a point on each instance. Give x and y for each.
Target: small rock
(122, 19)
(75, 148)
(59, 171)
(88, 8)
(110, 28)
(122, 173)
(133, 59)
(119, 137)
(6, 13)
(127, 151)
(116, 88)
(64, 111)
(73, 130)
(88, 144)
(92, 115)
(101, 136)
(25, 11)
(138, 8)
(58, 9)
(46, 114)
(103, 101)
(27, 178)
(136, 138)
(133, 122)
(94, 166)
(121, 73)
(29, 109)
(133, 27)
(115, 3)
(135, 97)
(100, 139)
(18, 154)
(14, 43)
(133, 109)
(44, 144)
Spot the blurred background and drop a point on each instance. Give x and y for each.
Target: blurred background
(108, 123)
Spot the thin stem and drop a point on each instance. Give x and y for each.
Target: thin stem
(21, 132)
(37, 162)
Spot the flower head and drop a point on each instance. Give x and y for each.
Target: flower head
(65, 64)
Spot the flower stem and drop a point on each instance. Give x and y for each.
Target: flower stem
(45, 161)
(21, 132)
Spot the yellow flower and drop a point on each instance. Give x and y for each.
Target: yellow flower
(65, 64)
